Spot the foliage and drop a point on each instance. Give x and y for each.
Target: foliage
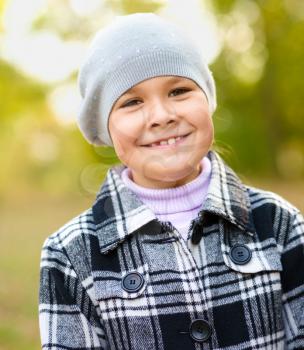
(131, 6)
(265, 115)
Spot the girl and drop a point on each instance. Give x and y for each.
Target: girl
(176, 252)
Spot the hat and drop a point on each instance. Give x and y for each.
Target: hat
(131, 49)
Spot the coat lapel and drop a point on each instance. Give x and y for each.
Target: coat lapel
(227, 197)
(117, 211)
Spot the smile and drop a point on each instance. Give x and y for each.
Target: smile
(172, 142)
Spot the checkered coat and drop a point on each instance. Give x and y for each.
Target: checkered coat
(253, 305)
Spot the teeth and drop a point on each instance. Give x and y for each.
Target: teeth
(167, 142)
(171, 141)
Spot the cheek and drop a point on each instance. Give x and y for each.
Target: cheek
(209, 127)
(205, 128)
(126, 127)
(202, 120)
(124, 137)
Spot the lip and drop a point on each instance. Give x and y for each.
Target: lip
(177, 143)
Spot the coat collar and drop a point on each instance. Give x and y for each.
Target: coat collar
(118, 212)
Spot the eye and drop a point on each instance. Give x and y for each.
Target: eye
(179, 91)
(130, 103)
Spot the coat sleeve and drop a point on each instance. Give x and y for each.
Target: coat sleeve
(293, 283)
(68, 318)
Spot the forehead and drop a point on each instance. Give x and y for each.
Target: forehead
(162, 80)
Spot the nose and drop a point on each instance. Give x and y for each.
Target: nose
(160, 113)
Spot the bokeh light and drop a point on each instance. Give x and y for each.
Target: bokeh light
(64, 101)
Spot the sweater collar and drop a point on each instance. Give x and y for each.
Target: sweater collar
(174, 200)
(118, 212)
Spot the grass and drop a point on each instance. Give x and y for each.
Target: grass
(24, 225)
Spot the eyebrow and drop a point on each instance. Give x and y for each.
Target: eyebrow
(172, 80)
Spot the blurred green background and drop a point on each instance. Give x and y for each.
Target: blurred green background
(50, 174)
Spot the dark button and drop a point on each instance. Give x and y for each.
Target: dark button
(240, 254)
(200, 330)
(132, 282)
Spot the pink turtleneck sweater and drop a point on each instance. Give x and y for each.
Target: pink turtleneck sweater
(179, 205)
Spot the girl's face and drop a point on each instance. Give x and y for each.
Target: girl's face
(171, 109)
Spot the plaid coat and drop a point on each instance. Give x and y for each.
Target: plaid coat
(115, 277)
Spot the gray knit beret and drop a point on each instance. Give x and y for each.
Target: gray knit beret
(131, 49)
